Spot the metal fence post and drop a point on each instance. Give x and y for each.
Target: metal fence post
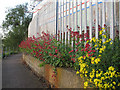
(96, 19)
(56, 18)
(112, 20)
(91, 19)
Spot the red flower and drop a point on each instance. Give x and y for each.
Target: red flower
(55, 55)
(73, 59)
(56, 51)
(88, 52)
(85, 49)
(76, 50)
(87, 45)
(89, 55)
(50, 54)
(71, 51)
(94, 51)
(82, 49)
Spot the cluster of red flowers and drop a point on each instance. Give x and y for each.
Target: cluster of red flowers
(45, 47)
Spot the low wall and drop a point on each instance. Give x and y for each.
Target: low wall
(66, 78)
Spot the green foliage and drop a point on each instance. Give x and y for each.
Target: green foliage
(16, 24)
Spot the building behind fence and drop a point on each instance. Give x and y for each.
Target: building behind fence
(56, 15)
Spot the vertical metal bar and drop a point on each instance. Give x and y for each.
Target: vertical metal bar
(81, 17)
(115, 16)
(85, 16)
(69, 37)
(37, 17)
(56, 18)
(77, 14)
(96, 19)
(115, 12)
(73, 15)
(66, 36)
(66, 15)
(60, 20)
(103, 17)
(91, 19)
(103, 13)
(63, 17)
(69, 14)
(112, 20)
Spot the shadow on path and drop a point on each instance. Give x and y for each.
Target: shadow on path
(15, 75)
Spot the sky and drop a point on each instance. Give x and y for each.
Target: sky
(5, 4)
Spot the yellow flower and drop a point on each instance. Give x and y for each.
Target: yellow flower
(114, 83)
(104, 42)
(113, 87)
(77, 72)
(85, 84)
(106, 85)
(91, 80)
(99, 55)
(87, 41)
(80, 58)
(93, 39)
(81, 61)
(111, 68)
(102, 78)
(91, 75)
(107, 40)
(100, 32)
(83, 65)
(93, 70)
(85, 75)
(110, 39)
(95, 45)
(118, 84)
(100, 42)
(81, 75)
(100, 51)
(87, 55)
(104, 36)
(111, 43)
(84, 58)
(103, 28)
(97, 75)
(97, 60)
(100, 85)
(86, 71)
(92, 60)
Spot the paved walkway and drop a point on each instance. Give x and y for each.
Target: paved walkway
(16, 75)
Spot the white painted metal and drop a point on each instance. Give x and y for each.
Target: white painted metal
(81, 17)
(91, 19)
(96, 31)
(85, 16)
(112, 20)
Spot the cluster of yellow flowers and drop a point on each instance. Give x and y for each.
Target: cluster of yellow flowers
(97, 77)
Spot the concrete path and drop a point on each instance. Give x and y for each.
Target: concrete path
(16, 75)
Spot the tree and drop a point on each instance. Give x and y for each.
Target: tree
(16, 23)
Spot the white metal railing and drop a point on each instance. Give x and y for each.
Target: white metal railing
(76, 13)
